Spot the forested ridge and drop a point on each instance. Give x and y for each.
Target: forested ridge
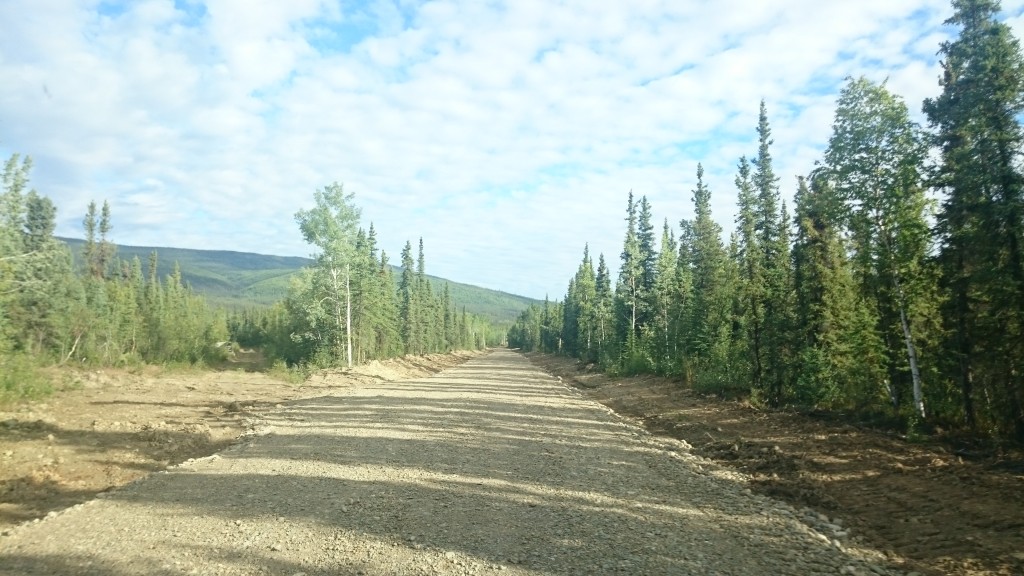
(247, 280)
(894, 286)
(102, 310)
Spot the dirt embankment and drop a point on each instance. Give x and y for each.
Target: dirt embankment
(115, 426)
(930, 507)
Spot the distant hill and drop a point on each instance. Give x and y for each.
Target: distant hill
(244, 279)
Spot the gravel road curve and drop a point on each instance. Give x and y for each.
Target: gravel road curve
(492, 467)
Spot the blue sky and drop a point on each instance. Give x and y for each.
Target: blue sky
(506, 134)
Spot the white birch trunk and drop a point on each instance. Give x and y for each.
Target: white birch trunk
(915, 372)
(348, 314)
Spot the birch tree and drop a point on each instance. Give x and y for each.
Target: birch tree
(332, 226)
(874, 162)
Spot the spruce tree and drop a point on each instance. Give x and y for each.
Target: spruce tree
(684, 309)
(389, 329)
(709, 322)
(648, 257)
(981, 232)
(604, 306)
(772, 238)
(664, 303)
(585, 301)
(839, 357)
(578, 310)
(629, 288)
(752, 285)
(408, 299)
(90, 250)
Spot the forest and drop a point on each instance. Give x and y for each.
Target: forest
(892, 289)
(106, 311)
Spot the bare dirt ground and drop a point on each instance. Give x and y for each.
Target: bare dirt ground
(111, 427)
(932, 507)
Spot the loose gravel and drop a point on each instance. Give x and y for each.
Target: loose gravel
(492, 467)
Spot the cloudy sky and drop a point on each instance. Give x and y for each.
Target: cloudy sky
(506, 134)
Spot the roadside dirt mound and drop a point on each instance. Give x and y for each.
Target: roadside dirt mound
(112, 426)
(928, 507)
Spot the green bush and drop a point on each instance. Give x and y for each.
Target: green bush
(291, 374)
(21, 379)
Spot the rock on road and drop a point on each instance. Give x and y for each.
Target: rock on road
(491, 467)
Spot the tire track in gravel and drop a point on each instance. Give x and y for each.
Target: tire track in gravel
(492, 467)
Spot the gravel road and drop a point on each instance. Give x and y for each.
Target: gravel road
(491, 467)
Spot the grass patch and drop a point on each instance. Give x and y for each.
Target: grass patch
(22, 379)
(291, 374)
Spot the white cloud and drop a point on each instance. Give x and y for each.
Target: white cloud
(506, 134)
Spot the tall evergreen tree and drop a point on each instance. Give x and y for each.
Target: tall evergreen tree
(685, 303)
(426, 327)
(709, 322)
(981, 231)
(772, 237)
(389, 330)
(408, 298)
(648, 256)
(664, 301)
(839, 357)
(604, 305)
(629, 288)
(578, 311)
(751, 262)
(91, 250)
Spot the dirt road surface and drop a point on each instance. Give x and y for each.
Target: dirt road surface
(106, 428)
(939, 505)
(491, 467)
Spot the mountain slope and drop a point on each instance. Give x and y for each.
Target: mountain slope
(243, 279)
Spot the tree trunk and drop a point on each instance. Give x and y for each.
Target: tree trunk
(632, 302)
(965, 352)
(755, 337)
(348, 315)
(915, 373)
(73, 347)
(336, 300)
(908, 338)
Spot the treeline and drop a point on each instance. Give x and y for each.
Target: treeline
(345, 309)
(385, 323)
(112, 312)
(108, 312)
(870, 297)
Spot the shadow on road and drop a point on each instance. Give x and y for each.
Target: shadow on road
(494, 461)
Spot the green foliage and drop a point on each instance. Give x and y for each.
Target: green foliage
(868, 308)
(661, 336)
(325, 299)
(109, 314)
(349, 308)
(241, 280)
(874, 164)
(773, 297)
(236, 280)
(976, 123)
(294, 374)
(21, 378)
(840, 357)
(630, 289)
